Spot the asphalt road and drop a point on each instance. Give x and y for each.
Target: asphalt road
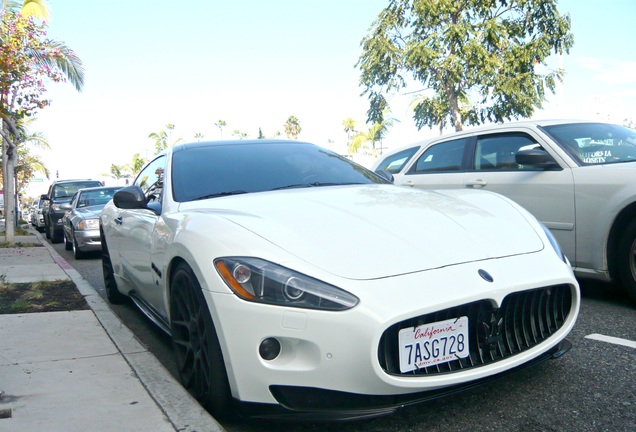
(591, 388)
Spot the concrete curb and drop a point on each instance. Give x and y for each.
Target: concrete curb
(181, 409)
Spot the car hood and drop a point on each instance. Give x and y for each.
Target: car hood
(90, 211)
(370, 232)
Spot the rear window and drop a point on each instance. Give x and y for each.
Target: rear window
(595, 143)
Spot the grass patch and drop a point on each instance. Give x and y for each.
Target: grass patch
(55, 296)
(5, 244)
(19, 231)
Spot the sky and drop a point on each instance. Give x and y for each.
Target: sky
(254, 63)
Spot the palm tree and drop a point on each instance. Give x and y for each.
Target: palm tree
(137, 164)
(118, 172)
(162, 139)
(375, 134)
(68, 65)
(292, 127)
(221, 124)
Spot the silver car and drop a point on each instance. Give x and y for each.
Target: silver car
(81, 220)
(576, 177)
(37, 219)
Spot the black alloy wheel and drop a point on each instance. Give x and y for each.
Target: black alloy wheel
(627, 259)
(112, 293)
(198, 352)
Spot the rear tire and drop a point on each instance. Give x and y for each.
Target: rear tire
(198, 352)
(627, 259)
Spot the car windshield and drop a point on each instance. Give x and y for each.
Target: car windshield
(396, 162)
(68, 190)
(595, 143)
(209, 171)
(96, 197)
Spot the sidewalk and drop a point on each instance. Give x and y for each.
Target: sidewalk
(82, 370)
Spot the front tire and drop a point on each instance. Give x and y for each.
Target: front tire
(67, 244)
(55, 236)
(627, 259)
(77, 253)
(110, 284)
(196, 344)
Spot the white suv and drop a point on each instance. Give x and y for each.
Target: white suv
(578, 178)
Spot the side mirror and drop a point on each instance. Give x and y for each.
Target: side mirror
(536, 156)
(45, 197)
(65, 206)
(130, 197)
(385, 175)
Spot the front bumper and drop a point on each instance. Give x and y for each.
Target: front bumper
(330, 363)
(316, 404)
(88, 240)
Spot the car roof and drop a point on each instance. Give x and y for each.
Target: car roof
(99, 188)
(487, 128)
(242, 142)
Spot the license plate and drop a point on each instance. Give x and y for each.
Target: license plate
(433, 343)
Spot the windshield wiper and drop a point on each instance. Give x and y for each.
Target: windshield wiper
(220, 194)
(313, 184)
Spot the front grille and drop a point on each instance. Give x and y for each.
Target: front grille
(524, 320)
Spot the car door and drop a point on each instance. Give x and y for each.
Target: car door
(136, 228)
(439, 166)
(547, 191)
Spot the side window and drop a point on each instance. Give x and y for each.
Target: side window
(444, 157)
(150, 180)
(498, 152)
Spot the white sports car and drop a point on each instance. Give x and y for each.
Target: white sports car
(296, 283)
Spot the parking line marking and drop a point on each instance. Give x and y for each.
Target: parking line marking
(612, 340)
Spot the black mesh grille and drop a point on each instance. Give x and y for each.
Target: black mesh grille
(525, 319)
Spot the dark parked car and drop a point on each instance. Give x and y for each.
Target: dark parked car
(60, 192)
(81, 220)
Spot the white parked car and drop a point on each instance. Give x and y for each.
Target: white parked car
(296, 283)
(577, 178)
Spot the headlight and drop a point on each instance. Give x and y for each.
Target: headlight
(555, 244)
(88, 224)
(261, 281)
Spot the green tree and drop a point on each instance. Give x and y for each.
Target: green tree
(292, 127)
(238, 134)
(119, 172)
(475, 59)
(221, 124)
(163, 139)
(137, 164)
(27, 60)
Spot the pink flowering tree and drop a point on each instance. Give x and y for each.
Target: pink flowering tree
(28, 62)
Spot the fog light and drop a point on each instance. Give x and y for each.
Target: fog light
(269, 349)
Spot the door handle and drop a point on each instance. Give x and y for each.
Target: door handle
(479, 183)
(119, 220)
(408, 183)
